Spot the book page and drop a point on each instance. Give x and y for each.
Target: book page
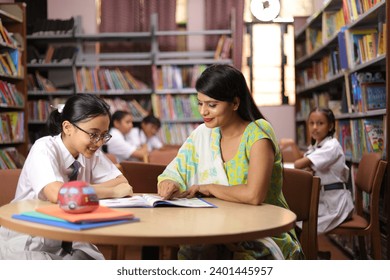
(134, 201)
(195, 202)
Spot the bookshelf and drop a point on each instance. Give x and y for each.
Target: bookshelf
(13, 126)
(174, 75)
(51, 51)
(142, 80)
(341, 64)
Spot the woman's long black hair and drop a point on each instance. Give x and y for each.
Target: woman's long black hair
(224, 82)
(78, 108)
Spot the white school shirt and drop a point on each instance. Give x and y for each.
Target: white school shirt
(328, 162)
(119, 146)
(137, 137)
(50, 161)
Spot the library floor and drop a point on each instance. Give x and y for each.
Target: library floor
(324, 244)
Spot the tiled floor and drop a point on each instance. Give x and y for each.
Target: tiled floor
(324, 244)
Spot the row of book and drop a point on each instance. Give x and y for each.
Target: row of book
(37, 82)
(10, 158)
(324, 69)
(360, 136)
(98, 79)
(38, 110)
(224, 46)
(368, 91)
(10, 96)
(175, 107)
(137, 111)
(11, 127)
(54, 54)
(8, 38)
(365, 44)
(352, 9)
(175, 133)
(322, 99)
(176, 77)
(10, 63)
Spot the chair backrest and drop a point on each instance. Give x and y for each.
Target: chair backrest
(301, 190)
(9, 180)
(162, 156)
(142, 176)
(369, 179)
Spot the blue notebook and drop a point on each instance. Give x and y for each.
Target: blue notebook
(36, 217)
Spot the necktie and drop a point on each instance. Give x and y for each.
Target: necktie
(75, 166)
(66, 245)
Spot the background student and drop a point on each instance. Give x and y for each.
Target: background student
(78, 131)
(146, 134)
(325, 157)
(233, 156)
(120, 146)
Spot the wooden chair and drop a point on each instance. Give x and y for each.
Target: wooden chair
(368, 180)
(164, 156)
(142, 176)
(302, 190)
(9, 180)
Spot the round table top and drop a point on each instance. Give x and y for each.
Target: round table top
(228, 222)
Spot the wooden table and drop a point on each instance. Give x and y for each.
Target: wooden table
(229, 222)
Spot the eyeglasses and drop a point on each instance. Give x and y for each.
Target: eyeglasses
(95, 137)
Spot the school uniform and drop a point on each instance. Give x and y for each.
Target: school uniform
(119, 146)
(49, 161)
(328, 163)
(137, 137)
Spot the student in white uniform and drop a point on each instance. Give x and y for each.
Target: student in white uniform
(325, 157)
(120, 146)
(147, 134)
(78, 131)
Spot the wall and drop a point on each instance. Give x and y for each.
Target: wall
(282, 119)
(60, 9)
(195, 21)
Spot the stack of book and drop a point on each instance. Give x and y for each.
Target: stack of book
(53, 215)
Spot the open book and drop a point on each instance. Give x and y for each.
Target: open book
(150, 200)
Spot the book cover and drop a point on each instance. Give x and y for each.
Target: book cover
(374, 95)
(343, 55)
(36, 217)
(374, 135)
(99, 215)
(150, 200)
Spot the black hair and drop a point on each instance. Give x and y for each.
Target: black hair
(152, 119)
(78, 108)
(328, 113)
(118, 116)
(224, 82)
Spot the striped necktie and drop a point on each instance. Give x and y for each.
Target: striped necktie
(67, 245)
(75, 171)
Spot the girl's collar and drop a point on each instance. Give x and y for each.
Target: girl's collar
(319, 145)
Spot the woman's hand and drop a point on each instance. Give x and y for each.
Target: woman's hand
(168, 189)
(194, 190)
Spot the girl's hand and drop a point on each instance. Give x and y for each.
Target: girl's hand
(123, 190)
(168, 189)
